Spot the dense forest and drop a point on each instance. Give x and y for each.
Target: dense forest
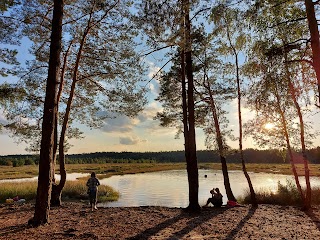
(204, 156)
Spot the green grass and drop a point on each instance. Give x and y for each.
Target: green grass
(285, 195)
(110, 169)
(73, 190)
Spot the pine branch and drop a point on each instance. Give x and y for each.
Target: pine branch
(200, 11)
(289, 21)
(300, 60)
(158, 49)
(278, 4)
(154, 75)
(74, 20)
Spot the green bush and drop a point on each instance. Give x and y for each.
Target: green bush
(18, 162)
(29, 161)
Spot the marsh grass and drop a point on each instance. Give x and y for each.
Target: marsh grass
(73, 190)
(110, 169)
(285, 195)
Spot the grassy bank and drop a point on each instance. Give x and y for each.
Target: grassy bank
(285, 195)
(74, 190)
(109, 169)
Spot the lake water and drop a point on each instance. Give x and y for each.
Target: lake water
(170, 188)
(70, 177)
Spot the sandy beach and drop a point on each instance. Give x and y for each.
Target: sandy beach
(77, 221)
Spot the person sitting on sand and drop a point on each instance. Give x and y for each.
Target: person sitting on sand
(216, 198)
(92, 185)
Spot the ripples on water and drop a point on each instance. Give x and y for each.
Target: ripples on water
(170, 188)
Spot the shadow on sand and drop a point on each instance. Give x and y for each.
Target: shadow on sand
(240, 225)
(195, 219)
(314, 216)
(12, 229)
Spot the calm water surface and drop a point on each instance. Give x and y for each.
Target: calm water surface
(70, 177)
(170, 188)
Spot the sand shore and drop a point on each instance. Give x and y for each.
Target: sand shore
(77, 221)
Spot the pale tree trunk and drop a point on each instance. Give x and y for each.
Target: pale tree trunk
(244, 169)
(42, 206)
(192, 163)
(315, 42)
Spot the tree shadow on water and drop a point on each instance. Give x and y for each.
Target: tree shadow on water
(240, 225)
(195, 219)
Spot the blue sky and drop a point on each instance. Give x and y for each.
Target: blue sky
(132, 134)
(122, 133)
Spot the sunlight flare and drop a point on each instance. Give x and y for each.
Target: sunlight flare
(268, 126)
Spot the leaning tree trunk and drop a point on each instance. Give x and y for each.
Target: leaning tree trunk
(221, 148)
(42, 206)
(307, 199)
(286, 135)
(192, 163)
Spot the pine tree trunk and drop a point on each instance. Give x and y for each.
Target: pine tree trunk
(57, 188)
(221, 148)
(192, 163)
(244, 169)
(42, 206)
(307, 199)
(315, 42)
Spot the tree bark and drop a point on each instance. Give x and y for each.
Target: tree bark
(244, 169)
(57, 188)
(307, 199)
(224, 165)
(184, 106)
(286, 134)
(192, 163)
(55, 193)
(42, 206)
(315, 42)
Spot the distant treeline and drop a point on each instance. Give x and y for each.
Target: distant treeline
(204, 156)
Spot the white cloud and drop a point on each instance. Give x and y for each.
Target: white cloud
(120, 124)
(153, 70)
(154, 75)
(130, 140)
(2, 118)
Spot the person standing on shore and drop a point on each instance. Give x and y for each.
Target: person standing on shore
(92, 185)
